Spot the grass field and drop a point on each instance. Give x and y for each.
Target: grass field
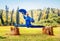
(28, 34)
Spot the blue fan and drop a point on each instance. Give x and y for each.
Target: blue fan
(23, 11)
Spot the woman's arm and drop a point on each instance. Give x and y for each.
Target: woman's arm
(24, 16)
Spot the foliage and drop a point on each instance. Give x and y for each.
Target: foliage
(46, 17)
(53, 20)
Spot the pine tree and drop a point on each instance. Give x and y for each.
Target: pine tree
(52, 10)
(17, 16)
(47, 13)
(58, 13)
(2, 21)
(6, 14)
(31, 13)
(12, 17)
(40, 15)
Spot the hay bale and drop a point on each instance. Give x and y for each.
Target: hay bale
(48, 30)
(15, 31)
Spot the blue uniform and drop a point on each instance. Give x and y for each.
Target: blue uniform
(28, 20)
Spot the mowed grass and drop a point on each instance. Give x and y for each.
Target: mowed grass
(28, 34)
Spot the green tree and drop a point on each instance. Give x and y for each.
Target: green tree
(6, 14)
(58, 13)
(40, 15)
(12, 16)
(17, 16)
(47, 13)
(2, 21)
(32, 13)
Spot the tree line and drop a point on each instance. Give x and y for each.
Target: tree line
(45, 16)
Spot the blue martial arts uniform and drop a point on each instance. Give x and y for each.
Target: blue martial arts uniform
(28, 21)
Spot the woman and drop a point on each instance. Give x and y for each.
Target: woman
(28, 20)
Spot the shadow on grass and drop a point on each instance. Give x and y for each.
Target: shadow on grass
(2, 37)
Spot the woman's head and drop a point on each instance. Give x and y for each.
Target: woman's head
(27, 14)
